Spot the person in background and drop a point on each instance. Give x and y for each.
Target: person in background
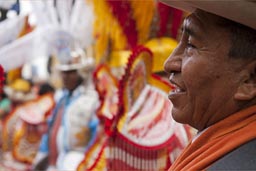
(73, 125)
(45, 88)
(213, 71)
(5, 105)
(18, 92)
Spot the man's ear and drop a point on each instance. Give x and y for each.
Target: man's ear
(247, 89)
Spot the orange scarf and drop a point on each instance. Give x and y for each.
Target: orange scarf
(218, 140)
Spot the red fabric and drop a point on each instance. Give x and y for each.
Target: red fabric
(53, 137)
(123, 12)
(167, 13)
(218, 140)
(131, 157)
(164, 15)
(176, 22)
(1, 78)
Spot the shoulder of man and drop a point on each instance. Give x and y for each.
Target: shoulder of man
(242, 158)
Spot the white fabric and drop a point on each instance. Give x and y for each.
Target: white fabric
(27, 48)
(78, 114)
(6, 4)
(72, 160)
(198, 135)
(10, 29)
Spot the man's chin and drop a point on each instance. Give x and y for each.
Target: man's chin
(178, 116)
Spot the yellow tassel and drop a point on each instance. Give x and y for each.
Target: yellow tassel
(106, 30)
(143, 12)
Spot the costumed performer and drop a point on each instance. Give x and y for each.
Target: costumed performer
(73, 124)
(19, 92)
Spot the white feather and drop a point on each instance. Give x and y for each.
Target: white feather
(55, 22)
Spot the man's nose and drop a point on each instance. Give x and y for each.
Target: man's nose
(173, 62)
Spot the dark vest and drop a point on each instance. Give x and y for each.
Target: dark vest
(242, 158)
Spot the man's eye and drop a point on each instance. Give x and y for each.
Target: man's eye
(190, 45)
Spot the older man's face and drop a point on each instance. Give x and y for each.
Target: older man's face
(204, 75)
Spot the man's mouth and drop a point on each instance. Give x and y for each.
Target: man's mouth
(177, 90)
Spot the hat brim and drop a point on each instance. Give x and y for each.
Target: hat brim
(69, 67)
(240, 11)
(85, 65)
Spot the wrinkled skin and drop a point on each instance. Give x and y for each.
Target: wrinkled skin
(207, 80)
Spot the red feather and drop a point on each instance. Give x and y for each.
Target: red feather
(123, 12)
(1, 78)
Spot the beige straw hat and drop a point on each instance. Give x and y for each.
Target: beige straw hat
(240, 11)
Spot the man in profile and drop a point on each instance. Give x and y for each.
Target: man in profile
(213, 70)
